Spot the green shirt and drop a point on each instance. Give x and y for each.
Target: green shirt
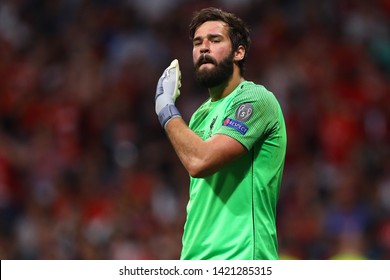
(231, 214)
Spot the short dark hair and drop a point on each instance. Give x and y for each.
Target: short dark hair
(238, 29)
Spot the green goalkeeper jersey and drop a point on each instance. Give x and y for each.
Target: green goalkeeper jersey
(232, 213)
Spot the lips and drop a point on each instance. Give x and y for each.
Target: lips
(205, 59)
(206, 62)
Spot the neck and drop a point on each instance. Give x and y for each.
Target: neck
(224, 89)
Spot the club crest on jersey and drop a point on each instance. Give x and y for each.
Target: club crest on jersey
(244, 112)
(240, 127)
(211, 127)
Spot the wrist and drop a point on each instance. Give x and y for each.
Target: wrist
(167, 113)
(169, 121)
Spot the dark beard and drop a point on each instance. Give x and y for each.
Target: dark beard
(214, 77)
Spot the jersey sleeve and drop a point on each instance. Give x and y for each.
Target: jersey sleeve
(252, 114)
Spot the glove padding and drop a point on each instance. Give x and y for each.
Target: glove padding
(166, 93)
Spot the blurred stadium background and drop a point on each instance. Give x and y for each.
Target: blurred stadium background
(86, 172)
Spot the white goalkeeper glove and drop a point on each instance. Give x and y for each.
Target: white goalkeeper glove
(166, 93)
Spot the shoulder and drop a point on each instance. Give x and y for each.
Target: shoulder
(250, 90)
(255, 94)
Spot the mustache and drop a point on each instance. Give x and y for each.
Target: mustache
(205, 59)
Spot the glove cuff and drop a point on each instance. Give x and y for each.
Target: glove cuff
(167, 113)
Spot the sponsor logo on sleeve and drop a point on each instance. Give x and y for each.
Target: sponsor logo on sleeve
(240, 127)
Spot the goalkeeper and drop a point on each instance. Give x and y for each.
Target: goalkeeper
(233, 148)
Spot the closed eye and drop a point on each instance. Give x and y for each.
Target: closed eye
(213, 38)
(196, 43)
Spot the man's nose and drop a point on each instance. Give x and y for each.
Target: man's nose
(205, 47)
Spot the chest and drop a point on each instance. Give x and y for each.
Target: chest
(207, 122)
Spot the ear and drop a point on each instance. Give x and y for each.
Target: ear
(239, 54)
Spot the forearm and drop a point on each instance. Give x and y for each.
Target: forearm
(190, 148)
(201, 157)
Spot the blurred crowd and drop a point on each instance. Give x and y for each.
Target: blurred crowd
(86, 172)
